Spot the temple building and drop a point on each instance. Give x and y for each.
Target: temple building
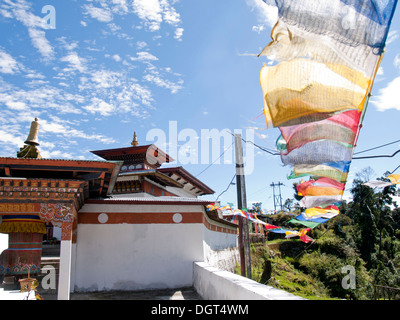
(125, 222)
(141, 175)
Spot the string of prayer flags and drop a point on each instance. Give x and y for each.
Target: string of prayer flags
(254, 218)
(327, 54)
(302, 234)
(321, 186)
(377, 184)
(335, 170)
(394, 178)
(317, 212)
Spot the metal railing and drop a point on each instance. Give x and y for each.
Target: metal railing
(386, 293)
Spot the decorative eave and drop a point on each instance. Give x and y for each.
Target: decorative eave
(183, 174)
(101, 175)
(154, 175)
(36, 190)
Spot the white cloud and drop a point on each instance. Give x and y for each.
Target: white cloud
(99, 14)
(39, 41)
(105, 79)
(7, 137)
(392, 36)
(116, 57)
(265, 14)
(259, 28)
(156, 79)
(75, 62)
(144, 56)
(149, 11)
(387, 97)
(36, 100)
(169, 13)
(99, 106)
(120, 6)
(396, 61)
(7, 63)
(61, 128)
(141, 44)
(21, 11)
(178, 34)
(154, 12)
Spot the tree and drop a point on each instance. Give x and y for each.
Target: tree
(296, 195)
(373, 215)
(288, 204)
(363, 211)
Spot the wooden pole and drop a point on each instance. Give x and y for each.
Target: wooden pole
(244, 239)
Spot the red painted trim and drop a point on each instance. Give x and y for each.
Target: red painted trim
(151, 218)
(139, 218)
(150, 201)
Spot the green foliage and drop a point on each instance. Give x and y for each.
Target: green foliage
(365, 236)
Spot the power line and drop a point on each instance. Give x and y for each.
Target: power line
(272, 152)
(395, 169)
(378, 156)
(215, 160)
(383, 145)
(230, 183)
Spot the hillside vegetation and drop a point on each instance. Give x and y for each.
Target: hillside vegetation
(364, 241)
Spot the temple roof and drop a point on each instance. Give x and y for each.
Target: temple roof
(149, 154)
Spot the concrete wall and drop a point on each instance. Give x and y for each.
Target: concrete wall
(220, 249)
(214, 284)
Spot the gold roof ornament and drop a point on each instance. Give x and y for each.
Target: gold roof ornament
(33, 133)
(134, 141)
(30, 150)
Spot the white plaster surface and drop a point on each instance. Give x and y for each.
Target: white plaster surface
(136, 257)
(220, 249)
(3, 242)
(214, 284)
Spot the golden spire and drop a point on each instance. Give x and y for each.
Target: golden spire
(134, 141)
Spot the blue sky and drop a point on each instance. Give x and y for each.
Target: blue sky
(107, 68)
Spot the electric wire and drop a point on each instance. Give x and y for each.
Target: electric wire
(383, 145)
(378, 156)
(271, 152)
(215, 160)
(230, 183)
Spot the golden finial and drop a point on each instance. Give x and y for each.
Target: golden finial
(33, 134)
(29, 150)
(134, 141)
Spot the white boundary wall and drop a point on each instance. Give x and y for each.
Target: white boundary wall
(215, 284)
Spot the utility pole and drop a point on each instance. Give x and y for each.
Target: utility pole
(277, 197)
(244, 238)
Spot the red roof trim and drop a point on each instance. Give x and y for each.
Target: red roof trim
(150, 201)
(107, 153)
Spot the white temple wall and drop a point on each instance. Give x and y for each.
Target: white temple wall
(136, 257)
(147, 246)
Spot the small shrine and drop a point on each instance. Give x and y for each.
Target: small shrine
(141, 174)
(35, 192)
